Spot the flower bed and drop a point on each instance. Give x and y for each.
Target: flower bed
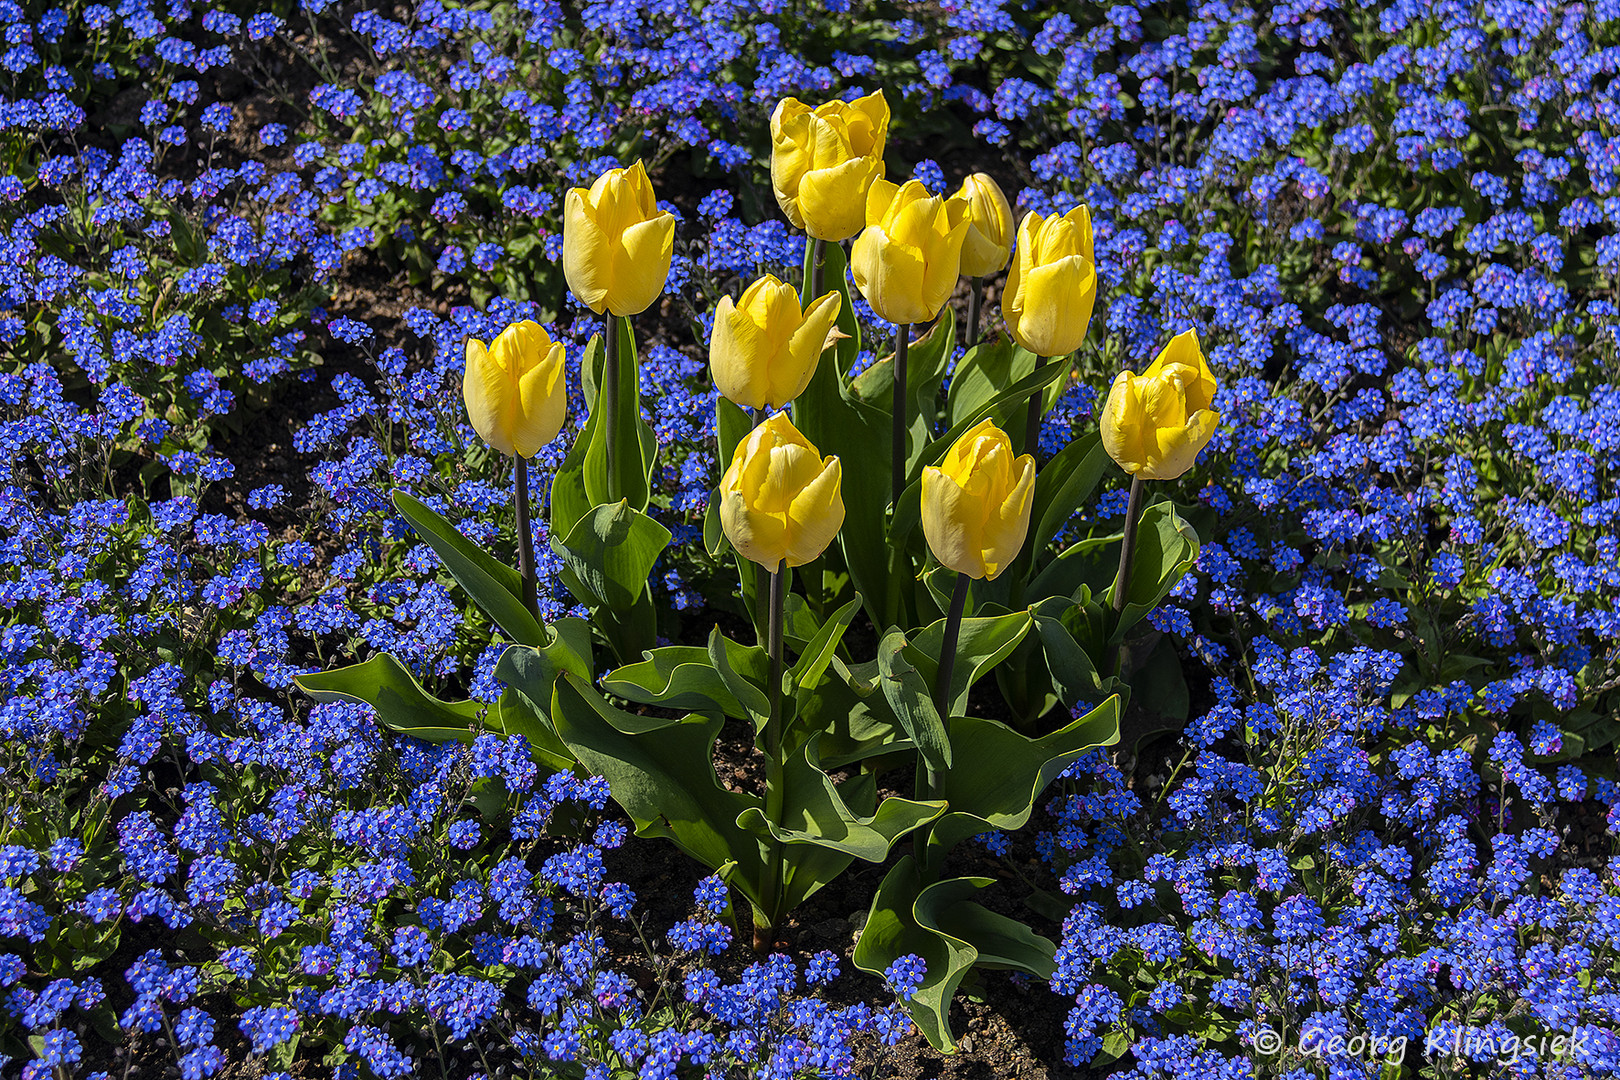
(1331, 792)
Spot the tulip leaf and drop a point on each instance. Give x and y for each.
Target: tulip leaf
(611, 552)
(1072, 671)
(838, 423)
(1166, 548)
(676, 677)
(952, 933)
(850, 712)
(744, 670)
(1089, 564)
(911, 698)
(530, 675)
(493, 586)
(819, 651)
(982, 644)
(840, 818)
(1062, 487)
(581, 482)
(661, 772)
(999, 774)
(401, 704)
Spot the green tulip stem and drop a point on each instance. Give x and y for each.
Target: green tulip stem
(818, 270)
(1032, 425)
(775, 796)
(1127, 555)
(897, 454)
(927, 779)
(975, 297)
(525, 540)
(607, 397)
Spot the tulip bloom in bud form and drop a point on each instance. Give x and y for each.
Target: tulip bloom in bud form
(1155, 423)
(990, 227)
(907, 259)
(779, 500)
(1052, 284)
(765, 347)
(617, 244)
(976, 503)
(514, 389)
(823, 160)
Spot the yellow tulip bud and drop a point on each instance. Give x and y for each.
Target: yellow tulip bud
(907, 259)
(1155, 423)
(779, 500)
(765, 347)
(617, 244)
(824, 159)
(514, 389)
(1052, 284)
(976, 503)
(990, 227)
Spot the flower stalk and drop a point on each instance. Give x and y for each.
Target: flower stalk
(608, 396)
(897, 452)
(525, 540)
(776, 774)
(1127, 556)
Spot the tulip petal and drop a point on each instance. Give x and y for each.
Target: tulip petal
(816, 514)
(789, 378)
(832, 201)
(1055, 306)
(760, 538)
(1121, 424)
(1008, 522)
(487, 392)
(951, 522)
(1176, 448)
(641, 263)
(890, 276)
(586, 261)
(542, 404)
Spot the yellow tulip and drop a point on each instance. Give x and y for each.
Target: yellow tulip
(990, 227)
(779, 500)
(765, 347)
(1155, 423)
(907, 259)
(514, 389)
(1052, 284)
(824, 159)
(617, 244)
(976, 503)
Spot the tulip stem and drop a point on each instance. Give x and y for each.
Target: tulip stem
(775, 773)
(975, 296)
(818, 269)
(927, 779)
(607, 396)
(1032, 424)
(525, 540)
(902, 342)
(947, 649)
(1127, 555)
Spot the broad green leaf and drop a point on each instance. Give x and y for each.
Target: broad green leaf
(999, 774)
(402, 705)
(982, 644)
(813, 661)
(676, 677)
(1062, 486)
(581, 481)
(744, 670)
(1160, 686)
(1008, 400)
(611, 552)
(530, 676)
(1072, 672)
(855, 721)
(816, 813)
(494, 586)
(1166, 548)
(661, 772)
(911, 698)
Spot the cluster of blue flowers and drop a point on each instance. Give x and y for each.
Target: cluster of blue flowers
(1394, 226)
